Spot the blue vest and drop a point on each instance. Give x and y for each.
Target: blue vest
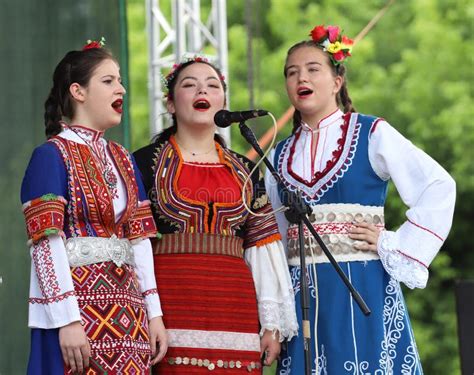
(355, 182)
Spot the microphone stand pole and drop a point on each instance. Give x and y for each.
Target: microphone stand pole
(298, 214)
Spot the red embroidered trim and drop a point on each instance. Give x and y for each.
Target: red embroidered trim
(409, 257)
(330, 164)
(150, 292)
(326, 228)
(426, 229)
(45, 301)
(44, 266)
(374, 125)
(126, 170)
(44, 216)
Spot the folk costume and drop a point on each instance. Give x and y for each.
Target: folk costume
(88, 223)
(345, 180)
(222, 272)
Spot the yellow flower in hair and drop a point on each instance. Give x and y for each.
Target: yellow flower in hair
(334, 47)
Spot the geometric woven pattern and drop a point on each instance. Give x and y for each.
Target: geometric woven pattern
(114, 318)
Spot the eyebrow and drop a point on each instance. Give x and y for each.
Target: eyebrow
(195, 79)
(111, 76)
(309, 63)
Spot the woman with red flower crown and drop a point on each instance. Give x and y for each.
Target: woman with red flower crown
(94, 306)
(341, 161)
(221, 269)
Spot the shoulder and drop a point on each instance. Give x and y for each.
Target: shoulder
(246, 162)
(365, 119)
(368, 122)
(119, 147)
(145, 153)
(48, 151)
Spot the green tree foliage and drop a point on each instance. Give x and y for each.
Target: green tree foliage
(414, 68)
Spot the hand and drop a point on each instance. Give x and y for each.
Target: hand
(75, 347)
(368, 233)
(158, 334)
(270, 346)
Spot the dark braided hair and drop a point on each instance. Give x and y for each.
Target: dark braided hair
(75, 67)
(171, 81)
(342, 98)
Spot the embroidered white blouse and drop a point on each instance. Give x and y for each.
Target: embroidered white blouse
(55, 312)
(424, 186)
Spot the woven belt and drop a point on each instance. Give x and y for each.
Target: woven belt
(333, 223)
(199, 243)
(82, 251)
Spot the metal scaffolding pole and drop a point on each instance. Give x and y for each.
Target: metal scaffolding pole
(186, 35)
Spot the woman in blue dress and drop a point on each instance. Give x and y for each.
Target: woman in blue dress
(341, 162)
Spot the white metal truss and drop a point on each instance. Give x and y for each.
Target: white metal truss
(185, 35)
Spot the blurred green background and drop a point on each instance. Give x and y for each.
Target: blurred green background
(415, 68)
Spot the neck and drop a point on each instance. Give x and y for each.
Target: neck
(196, 140)
(314, 119)
(86, 123)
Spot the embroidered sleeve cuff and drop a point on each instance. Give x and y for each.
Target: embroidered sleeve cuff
(141, 225)
(152, 302)
(44, 216)
(399, 265)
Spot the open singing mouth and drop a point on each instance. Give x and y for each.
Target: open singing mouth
(117, 105)
(201, 104)
(304, 91)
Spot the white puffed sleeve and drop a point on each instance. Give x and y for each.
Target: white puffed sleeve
(429, 192)
(276, 301)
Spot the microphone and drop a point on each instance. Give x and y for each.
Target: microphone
(224, 118)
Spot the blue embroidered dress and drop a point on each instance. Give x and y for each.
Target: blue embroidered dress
(342, 172)
(67, 202)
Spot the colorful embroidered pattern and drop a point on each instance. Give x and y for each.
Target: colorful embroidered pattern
(44, 216)
(90, 207)
(261, 230)
(227, 219)
(141, 225)
(189, 215)
(114, 317)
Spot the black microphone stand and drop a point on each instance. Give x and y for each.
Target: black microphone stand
(297, 213)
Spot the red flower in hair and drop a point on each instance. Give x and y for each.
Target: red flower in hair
(319, 33)
(333, 32)
(338, 56)
(92, 44)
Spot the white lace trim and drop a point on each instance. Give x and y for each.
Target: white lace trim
(192, 338)
(402, 268)
(279, 316)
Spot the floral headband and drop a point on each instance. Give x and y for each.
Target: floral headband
(338, 46)
(176, 68)
(91, 44)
